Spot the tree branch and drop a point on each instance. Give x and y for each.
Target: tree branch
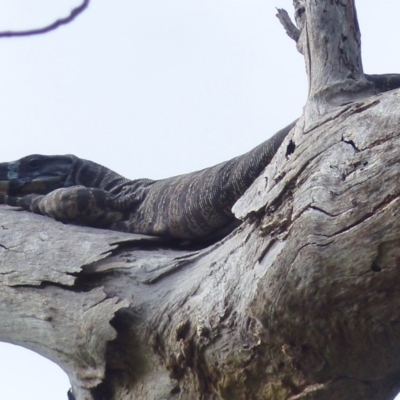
(330, 42)
(291, 29)
(62, 21)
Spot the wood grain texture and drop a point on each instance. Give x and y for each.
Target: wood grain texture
(29, 233)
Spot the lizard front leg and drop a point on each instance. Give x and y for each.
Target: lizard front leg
(76, 204)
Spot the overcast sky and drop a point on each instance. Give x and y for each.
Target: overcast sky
(153, 89)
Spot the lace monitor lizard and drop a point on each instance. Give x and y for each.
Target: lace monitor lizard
(192, 206)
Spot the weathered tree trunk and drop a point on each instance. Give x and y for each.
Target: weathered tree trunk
(300, 302)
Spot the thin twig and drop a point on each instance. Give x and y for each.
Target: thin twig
(62, 21)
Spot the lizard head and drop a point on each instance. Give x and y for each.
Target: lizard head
(34, 174)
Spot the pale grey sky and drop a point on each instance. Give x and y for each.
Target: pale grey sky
(153, 88)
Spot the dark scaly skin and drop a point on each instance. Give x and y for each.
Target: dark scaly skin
(191, 206)
(385, 82)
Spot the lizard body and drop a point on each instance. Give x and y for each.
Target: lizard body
(191, 206)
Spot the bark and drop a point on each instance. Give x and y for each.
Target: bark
(300, 302)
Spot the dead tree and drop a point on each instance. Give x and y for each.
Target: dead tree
(300, 302)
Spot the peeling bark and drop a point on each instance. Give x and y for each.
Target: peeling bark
(300, 302)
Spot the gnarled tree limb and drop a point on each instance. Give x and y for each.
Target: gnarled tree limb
(300, 302)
